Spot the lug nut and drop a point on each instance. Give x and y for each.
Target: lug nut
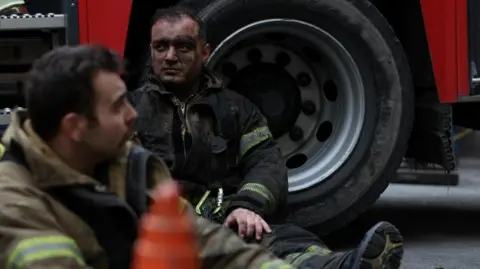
(296, 134)
(282, 59)
(303, 79)
(254, 55)
(308, 107)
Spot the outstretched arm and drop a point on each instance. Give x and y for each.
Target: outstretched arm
(221, 248)
(218, 247)
(265, 185)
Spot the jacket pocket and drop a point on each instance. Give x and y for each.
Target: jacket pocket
(224, 155)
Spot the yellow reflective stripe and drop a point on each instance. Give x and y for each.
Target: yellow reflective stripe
(296, 259)
(301, 258)
(276, 264)
(260, 189)
(291, 257)
(319, 250)
(255, 137)
(42, 248)
(2, 150)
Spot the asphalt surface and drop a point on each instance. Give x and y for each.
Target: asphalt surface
(440, 225)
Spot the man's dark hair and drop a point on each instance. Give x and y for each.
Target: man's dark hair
(180, 12)
(61, 82)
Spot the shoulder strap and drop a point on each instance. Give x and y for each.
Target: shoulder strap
(13, 163)
(136, 179)
(14, 153)
(2, 150)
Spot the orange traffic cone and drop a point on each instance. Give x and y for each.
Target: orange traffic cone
(166, 237)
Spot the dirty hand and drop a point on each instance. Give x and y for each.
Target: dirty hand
(248, 223)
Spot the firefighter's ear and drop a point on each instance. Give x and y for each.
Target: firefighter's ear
(206, 52)
(74, 126)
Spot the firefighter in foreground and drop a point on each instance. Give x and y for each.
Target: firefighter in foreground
(218, 146)
(71, 185)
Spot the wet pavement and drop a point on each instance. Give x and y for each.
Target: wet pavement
(440, 224)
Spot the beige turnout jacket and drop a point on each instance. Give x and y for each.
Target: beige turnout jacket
(31, 220)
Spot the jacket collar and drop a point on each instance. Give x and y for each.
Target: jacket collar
(209, 81)
(47, 169)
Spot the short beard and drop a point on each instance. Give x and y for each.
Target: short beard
(183, 90)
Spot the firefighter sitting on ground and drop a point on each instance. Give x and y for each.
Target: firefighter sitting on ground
(216, 141)
(72, 187)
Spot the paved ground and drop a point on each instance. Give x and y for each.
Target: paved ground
(441, 225)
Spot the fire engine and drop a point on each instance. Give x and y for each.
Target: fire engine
(350, 88)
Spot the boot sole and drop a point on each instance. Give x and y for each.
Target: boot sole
(381, 248)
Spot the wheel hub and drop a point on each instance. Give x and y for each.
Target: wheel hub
(306, 84)
(273, 90)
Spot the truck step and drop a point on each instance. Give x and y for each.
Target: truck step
(425, 174)
(32, 22)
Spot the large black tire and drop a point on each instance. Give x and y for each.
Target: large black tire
(388, 90)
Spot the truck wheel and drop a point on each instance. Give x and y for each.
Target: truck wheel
(334, 83)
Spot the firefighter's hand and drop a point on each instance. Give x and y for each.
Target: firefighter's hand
(249, 223)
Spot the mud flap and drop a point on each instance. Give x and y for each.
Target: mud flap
(431, 139)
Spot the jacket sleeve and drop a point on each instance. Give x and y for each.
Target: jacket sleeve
(221, 248)
(265, 185)
(30, 236)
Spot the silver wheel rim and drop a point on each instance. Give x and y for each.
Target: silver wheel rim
(338, 118)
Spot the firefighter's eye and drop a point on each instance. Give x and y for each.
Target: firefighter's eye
(160, 46)
(184, 48)
(119, 103)
(184, 45)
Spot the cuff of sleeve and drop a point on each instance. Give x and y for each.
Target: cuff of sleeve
(247, 202)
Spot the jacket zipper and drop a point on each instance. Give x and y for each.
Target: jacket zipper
(184, 126)
(185, 123)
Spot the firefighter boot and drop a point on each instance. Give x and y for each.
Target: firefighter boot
(381, 248)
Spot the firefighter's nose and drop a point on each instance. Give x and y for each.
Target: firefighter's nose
(171, 55)
(131, 114)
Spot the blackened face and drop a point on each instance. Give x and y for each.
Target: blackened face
(178, 52)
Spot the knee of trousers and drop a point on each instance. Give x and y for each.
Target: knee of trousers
(288, 238)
